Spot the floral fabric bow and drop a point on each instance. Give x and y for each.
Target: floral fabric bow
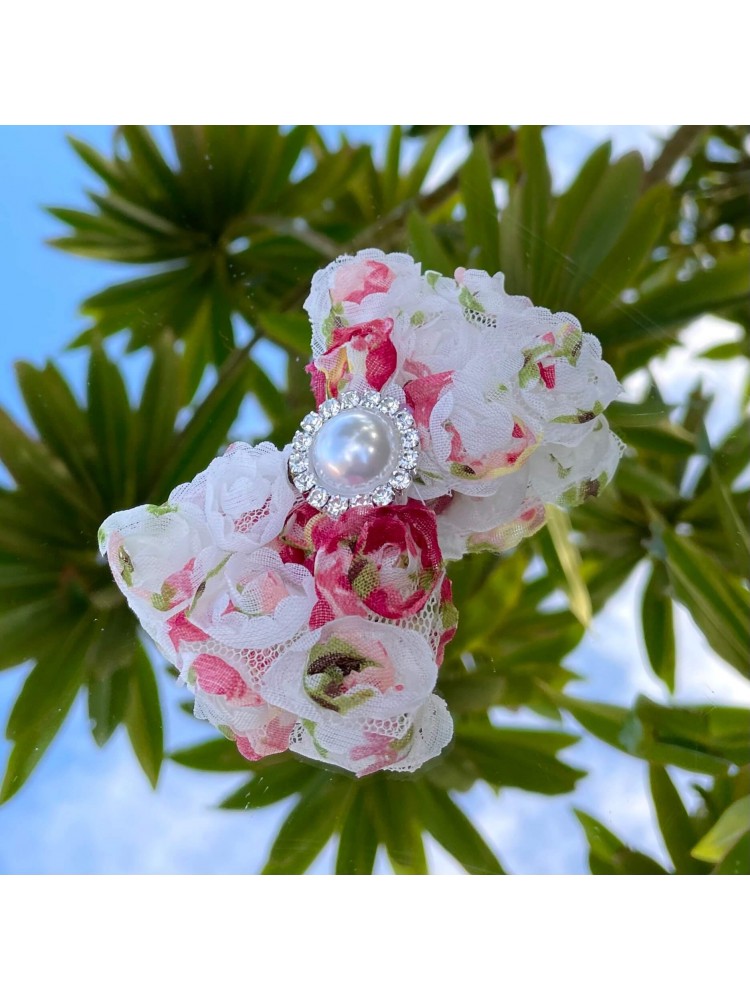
(303, 594)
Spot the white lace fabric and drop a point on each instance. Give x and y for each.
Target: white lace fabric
(299, 631)
(509, 398)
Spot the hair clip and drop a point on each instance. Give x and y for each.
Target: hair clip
(303, 595)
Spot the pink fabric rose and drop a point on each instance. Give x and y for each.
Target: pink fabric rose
(365, 350)
(384, 561)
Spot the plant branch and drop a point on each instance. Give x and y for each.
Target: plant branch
(424, 203)
(499, 148)
(677, 145)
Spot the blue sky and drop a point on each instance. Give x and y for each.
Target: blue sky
(88, 810)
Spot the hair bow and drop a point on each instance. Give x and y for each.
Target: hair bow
(303, 594)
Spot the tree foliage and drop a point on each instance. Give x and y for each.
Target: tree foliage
(227, 226)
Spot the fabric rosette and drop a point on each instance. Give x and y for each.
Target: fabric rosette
(292, 629)
(384, 564)
(313, 618)
(508, 398)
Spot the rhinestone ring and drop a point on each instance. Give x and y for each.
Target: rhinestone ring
(355, 451)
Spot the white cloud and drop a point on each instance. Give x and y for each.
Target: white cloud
(681, 369)
(88, 810)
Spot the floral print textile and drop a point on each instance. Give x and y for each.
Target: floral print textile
(324, 635)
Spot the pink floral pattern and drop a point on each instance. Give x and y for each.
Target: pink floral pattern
(357, 680)
(499, 389)
(359, 278)
(297, 630)
(272, 737)
(384, 561)
(365, 350)
(325, 639)
(215, 676)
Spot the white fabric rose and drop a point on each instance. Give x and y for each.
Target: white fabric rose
(465, 516)
(353, 290)
(252, 600)
(258, 730)
(352, 669)
(152, 552)
(245, 494)
(401, 744)
(507, 397)
(569, 475)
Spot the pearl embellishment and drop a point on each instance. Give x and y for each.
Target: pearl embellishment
(355, 451)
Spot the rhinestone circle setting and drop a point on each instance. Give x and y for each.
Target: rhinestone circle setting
(382, 422)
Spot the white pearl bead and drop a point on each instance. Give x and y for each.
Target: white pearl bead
(354, 452)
